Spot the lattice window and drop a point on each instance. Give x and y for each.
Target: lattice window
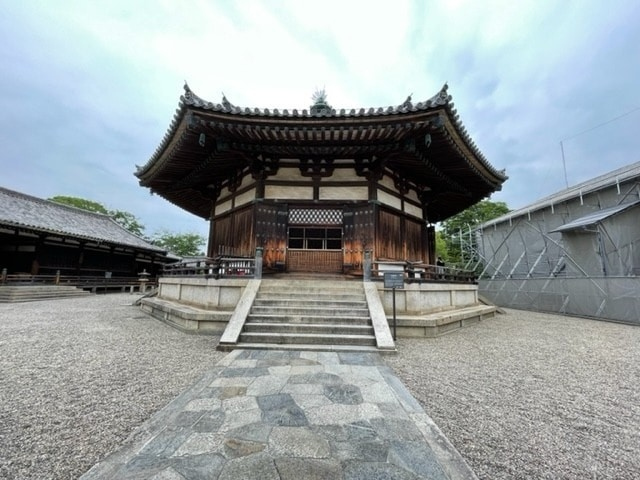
(315, 216)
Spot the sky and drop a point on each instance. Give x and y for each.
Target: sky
(88, 88)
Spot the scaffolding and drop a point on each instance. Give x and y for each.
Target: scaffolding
(576, 252)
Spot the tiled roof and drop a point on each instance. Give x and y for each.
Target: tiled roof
(21, 210)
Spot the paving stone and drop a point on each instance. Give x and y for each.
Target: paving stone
(200, 467)
(360, 431)
(281, 410)
(328, 358)
(319, 377)
(210, 422)
(280, 370)
(360, 358)
(379, 392)
(230, 392)
(168, 474)
(202, 404)
(344, 394)
(185, 419)
(308, 469)
(338, 369)
(297, 442)
(239, 404)
(310, 401)
(357, 470)
(417, 458)
(303, 389)
(235, 420)
(143, 467)
(244, 372)
(245, 363)
(199, 443)
(236, 448)
(338, 414)
(396, 429)
(374, 451)
(255, 432)
(407, 401)
(232, 381)
(165, 443)
(306, 369)
(267, 385)
(258, 466)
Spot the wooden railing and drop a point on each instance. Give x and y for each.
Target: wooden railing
(93, 282)
(218, 267)
(416, 272)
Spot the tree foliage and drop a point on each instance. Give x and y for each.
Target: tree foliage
(124, 219)
(457, 230)
(184, 244)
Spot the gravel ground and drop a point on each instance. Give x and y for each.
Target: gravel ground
(522, 396)
(77, 376)
(533, 396)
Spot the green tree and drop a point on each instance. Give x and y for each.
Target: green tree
(125, 219)
(441, 246)
(183, 244)
(81, 203)
(457, 230)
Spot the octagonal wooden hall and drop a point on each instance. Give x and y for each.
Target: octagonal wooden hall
(317, 188)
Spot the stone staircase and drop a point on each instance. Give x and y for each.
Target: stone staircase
(30, 293)
(309, 315)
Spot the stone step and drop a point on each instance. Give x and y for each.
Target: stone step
(310, 311)
(304, 347)
(302, 296)
(312, 287)
(310, 302)
(306, 338)
(29, 293)
(297, 319)
(320, 328)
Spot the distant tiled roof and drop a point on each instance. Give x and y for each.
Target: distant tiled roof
(20, 210)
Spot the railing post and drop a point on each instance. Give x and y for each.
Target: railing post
(57, 280)
(366, 266)
(3, 278)
(257, 273)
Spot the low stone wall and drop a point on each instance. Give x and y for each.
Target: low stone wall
(425, 298)
(196, 304)
(433, 309)
(206, 293)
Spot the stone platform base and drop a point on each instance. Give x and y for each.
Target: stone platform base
(439, 323)
(187, 318)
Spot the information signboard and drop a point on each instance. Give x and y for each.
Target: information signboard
(393, 279)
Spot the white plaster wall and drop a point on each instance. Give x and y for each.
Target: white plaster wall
(413, 210)
(288, 174)
(223, 207)
(245, 197)
(347, 174)
(387, 182)
(344, 193)
(390, 200)
(294, 193)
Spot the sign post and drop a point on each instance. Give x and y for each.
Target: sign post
(394, 280)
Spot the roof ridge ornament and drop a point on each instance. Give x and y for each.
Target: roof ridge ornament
(320, 104)
(226, 103)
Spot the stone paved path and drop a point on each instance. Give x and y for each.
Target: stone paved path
(289, 415)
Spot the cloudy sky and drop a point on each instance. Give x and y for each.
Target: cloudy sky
(88, 88)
